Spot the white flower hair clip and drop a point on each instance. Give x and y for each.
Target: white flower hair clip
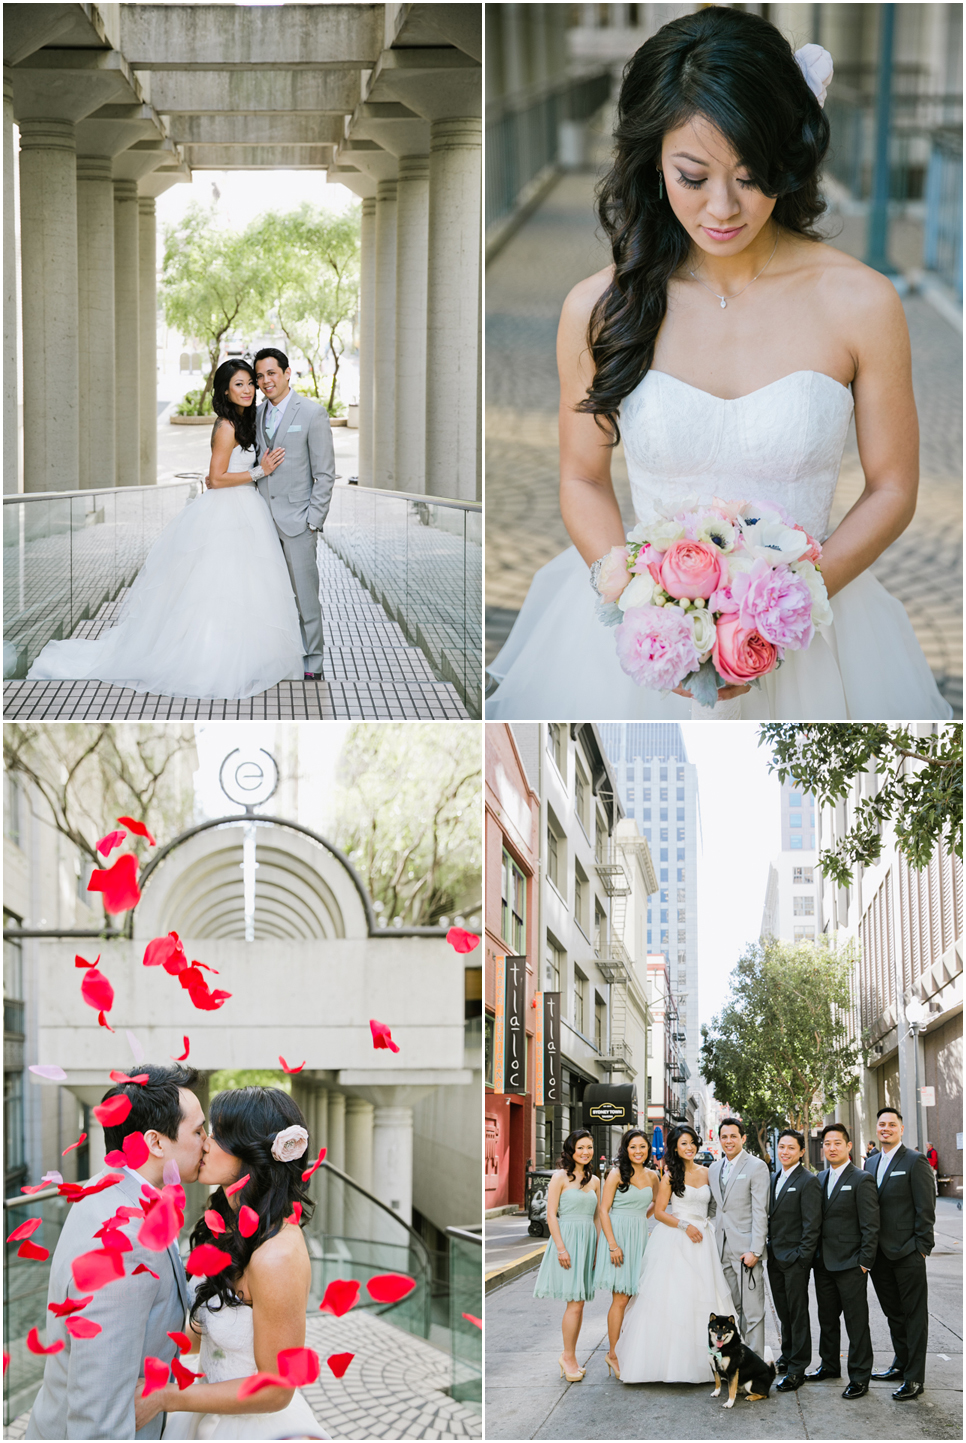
(290, 1143)
(815, 64)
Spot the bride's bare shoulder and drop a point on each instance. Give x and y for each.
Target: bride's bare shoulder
(580, 301)
(847, 286)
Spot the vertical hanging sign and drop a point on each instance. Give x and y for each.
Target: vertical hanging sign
(514, 1024)
(550, 1052)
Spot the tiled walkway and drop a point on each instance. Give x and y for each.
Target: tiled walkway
(369, 672)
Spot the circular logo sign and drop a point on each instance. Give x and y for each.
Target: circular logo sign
(249, 779)
(608, 1112)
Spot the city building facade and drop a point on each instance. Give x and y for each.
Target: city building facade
(793, 890)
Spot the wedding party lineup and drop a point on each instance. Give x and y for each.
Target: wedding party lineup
(482, 720)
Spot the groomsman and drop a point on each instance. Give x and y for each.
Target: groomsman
(739, 1186)
(846, 1252)
(794, 1223)
(907, 1211)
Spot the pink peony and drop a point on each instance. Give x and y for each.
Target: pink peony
(689, 568)
(647, 558)
(814, 552)
(614, 575)
(655, 646)
(775, 602)
(740, 653)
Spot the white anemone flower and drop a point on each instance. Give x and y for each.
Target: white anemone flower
(716, 531)
(775, 542)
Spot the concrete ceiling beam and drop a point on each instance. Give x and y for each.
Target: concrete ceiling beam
(28, 27)
(434, 83)
(401, 132)
(100, 136)
(256, 130)
(459, 25)
(357, 181)
(69, 84)
(162, 179)
(215, 37)
(244, 92)
(368, 157)
(258, 157)
(139, 160)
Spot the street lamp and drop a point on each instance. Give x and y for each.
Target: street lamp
(916, 1012)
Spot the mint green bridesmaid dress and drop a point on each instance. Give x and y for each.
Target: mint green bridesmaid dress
(575, 1216)
(628, 1218)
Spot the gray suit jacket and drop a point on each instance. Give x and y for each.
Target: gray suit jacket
(88, 1388)
(299, 491)
(741, 1211)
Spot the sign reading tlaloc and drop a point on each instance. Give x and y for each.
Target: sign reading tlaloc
(510, 1038)
(547, 1050)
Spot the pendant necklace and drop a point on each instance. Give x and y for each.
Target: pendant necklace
(724, 300)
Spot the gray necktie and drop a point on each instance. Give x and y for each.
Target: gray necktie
(881, 1171)
(724, 1172)
(271, 421)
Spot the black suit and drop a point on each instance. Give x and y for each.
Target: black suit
(794, 1223)
(847, 1244)
(907, 1213)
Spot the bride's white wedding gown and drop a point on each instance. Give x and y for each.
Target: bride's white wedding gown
(211, 613)
(227, 1352)
(782, 443)
(665, 1334)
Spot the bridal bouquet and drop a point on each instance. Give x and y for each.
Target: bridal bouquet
(711, 595)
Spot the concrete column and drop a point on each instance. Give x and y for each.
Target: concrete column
(367, 337)
(11, 428)
(127, 339)
(48, 237)
(358, 1141)
(453, 337)
(384, 379)
(96, 1147)
(412, 240)
(317, 1114)
(95, 298)
(392, 1146)
(148, 327)
(336, 1155)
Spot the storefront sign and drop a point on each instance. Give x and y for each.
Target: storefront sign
(610, 1104)
(547, 1050)
(928, 1096)
(510, 1040)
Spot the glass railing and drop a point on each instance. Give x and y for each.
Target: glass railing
(66, 553)
(466, 1303)
(422, 559)
(25, 1296)
(943, 243)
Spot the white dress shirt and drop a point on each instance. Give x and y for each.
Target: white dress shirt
(275, 414)
(884, 1159)
(833, 1173)
(786, 1174)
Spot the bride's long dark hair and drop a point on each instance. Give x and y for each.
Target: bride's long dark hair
(675, 1162)
(739, 72)
(222, 405)
(244, 1122)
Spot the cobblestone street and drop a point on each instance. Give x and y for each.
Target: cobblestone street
(525, 287)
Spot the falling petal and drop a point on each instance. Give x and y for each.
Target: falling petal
(155, 1372)
(462, 941)
(141, 1078)
(381, 1036)
(34, 1345)
(215, 1221)
(107, 844)
(161, 950)
(183, 1376)
(114, 1111)
(477, 1322)
(237, 1186)
(339, 1362)
(341, 1295)
(112, 1237)
(247, 1221)
(103, 1022)
(143, 1268)
(96, 991)
(96, 1269)
(390, 1287)
(298, 1366)
(206, 967)
(295, 1216)
(25, 1230)
(138, 828)
(6, 1363)
(69, 1305)
(31, 1250)
(160, 1227)
(184, 1055)
(82, 1139)
(206, 1260)
(257, 1382)
(181, 1341)
(119, 884)
(50, 1177)
(82, 1327)
(286, 1068)
(316, 1165)
(82, 962)
(50, 1071)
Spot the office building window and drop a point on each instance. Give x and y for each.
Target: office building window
(514, 906)
(646, 774)
(645, 794)
(803, 906)
(664, 794)
(664, 916)
(682, 958)
(795, 843)
(664, 859)
(664, 814)
(680, 855)
(682, 895)
(579, 883)
(680, 774)
(552, 966)
(681, 834)
(664, 774)
(645, 814)
(580, 1001)
(649, 939)
(580, 797)
(557, 746)
(680, 815)
(664, 896)
(794, 799)
(664, 869)
(682, 916)
(794, 819)
(664, 834)
(554, 853)
(664, 937)
(802, 876)
(804, 934)
(680, 794)
(680, 874)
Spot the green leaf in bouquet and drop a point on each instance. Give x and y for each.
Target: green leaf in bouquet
(609, 613)
(703, 684)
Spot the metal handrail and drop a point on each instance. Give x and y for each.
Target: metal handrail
(29, 1199)
(466, 1235)
(421, 497)
(15, 497)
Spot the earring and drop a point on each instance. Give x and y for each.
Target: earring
(660, 185)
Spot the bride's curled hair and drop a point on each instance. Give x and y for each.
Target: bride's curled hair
(568, 1162)
(624, 1165)
(223, 405)
(675, 1162)
(245, 1122)
(737, 71)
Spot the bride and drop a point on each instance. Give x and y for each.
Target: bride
(728, 347)
(244, 1316)
(661, 1344)
(211, 612)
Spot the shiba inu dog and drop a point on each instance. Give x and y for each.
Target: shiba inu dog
(735, 1363)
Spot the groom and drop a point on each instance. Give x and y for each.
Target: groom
(88, 1388)
(740, 1186)
(299, 490)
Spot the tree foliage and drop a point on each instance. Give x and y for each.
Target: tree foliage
(779, 1052)
(918, 785)
(407, 812)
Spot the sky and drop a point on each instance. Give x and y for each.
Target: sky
(740, 834)
(320, 747)
(244, 194)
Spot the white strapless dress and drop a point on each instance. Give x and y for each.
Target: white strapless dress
(665, 1334)
(227, 1352)
(211, 613)
(782, 443)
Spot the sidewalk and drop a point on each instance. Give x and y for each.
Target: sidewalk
(525, 287)
(525, 1397)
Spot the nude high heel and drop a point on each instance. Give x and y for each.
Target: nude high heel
(570, 1377)
(612, 1367)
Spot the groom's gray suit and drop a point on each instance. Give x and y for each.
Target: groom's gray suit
(88, 1387)
(298, 494)
(741, 1226)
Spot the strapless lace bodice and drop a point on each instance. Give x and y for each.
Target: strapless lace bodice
(228, 1343)
(241, 459)
(693, 1207)
(781, 443)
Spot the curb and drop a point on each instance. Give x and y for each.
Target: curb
(527, 1264)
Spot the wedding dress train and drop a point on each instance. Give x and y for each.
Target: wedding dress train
(781, 443)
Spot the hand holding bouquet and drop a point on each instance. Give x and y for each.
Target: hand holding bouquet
(712, 595)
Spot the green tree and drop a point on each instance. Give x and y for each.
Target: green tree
(211, 284)
(780, 1049)
(311, 280)
(918, 785)
(407, 811)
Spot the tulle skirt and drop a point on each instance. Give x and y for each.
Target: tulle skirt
(630, 1234)
(576, 1283)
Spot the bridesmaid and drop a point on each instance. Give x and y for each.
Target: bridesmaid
(567, 1270)
(627, 1203)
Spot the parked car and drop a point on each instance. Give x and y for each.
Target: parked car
(705, 1158)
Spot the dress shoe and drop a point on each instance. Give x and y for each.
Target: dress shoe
(856, 1390)
(821, 1374)
(790, 1383)
(907, 1391)
(889, 1375)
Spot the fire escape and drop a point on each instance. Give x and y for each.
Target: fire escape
(613, 959)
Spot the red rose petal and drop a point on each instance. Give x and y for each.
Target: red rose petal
(181, 1341)
(184, 1055)
(390, 1287)
(298, 1366)
(112, 1237)
(295, 1216)
(142, 1078)
(31, 1250)
(477, 1322)
(95, 1270)
(103, 1022)
(247, 1221)
(34, 1345)
(37, 1187)
(136, 1150)
(119, 884)
(257, 1382)
(339, 1362)
(183, 1376)
(82, 961)
(215, 1221)
(316, 1165)
(206, 1260)
(114, 1111)
(6, 1363)
(107, 844)
(68, 1306)
(206, 967)
(160, 1227)
(82, 1327)
(341, 1295)
(155, 1371)
(25, 1230)
(143, 1268)
(80, 1140)
(381, 1036)
(96, 991)
(237, 1186)
(286, 1068)
(461, 940)
(164, 951)
(138, 828)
